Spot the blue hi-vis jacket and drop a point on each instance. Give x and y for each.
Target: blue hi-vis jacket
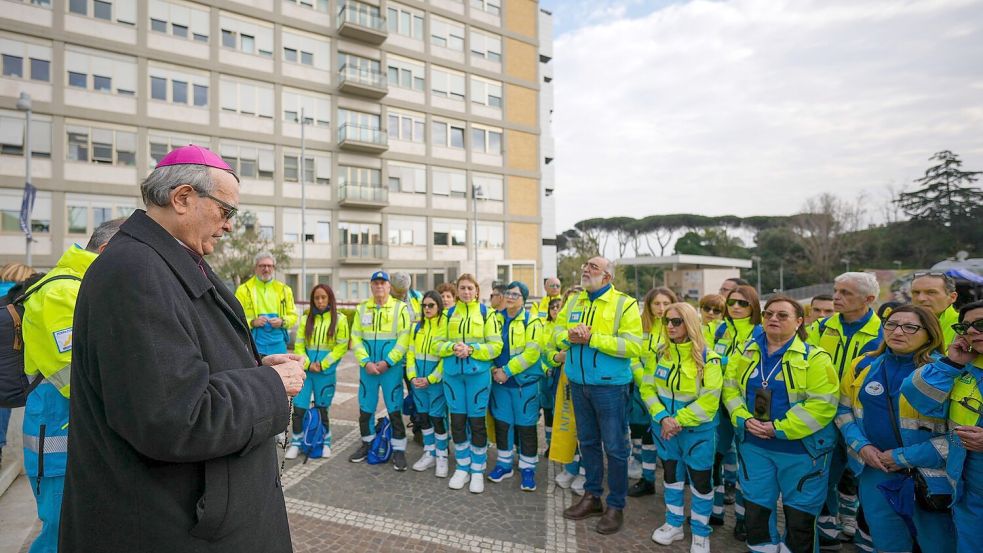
(475, 325)
(422, 359)
(616, 337)
(523, 340)
(943, 389)
(924, 442)
(381, 333)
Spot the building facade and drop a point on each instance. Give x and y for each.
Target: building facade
(421, 123)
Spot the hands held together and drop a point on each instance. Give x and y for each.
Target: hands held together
(290, 368)
(579, 334)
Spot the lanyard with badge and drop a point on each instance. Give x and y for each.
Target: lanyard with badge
(762, 396)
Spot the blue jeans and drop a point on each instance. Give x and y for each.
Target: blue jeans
(4, 420)
(601, 413)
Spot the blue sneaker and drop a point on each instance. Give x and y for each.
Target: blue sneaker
(528, 480)
(500, 473)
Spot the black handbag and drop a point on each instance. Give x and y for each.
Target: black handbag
(926, 500)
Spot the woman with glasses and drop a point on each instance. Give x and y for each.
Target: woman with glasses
(681, 389)
(741, 321)
(887, 439)
(950, 388)
(471, 341)
(424, 370)
(547, 384)
(782, 395)
(711, 314)
(322, 340)
(515, 389)
(641, 465)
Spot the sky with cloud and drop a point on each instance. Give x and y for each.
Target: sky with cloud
(752, 106)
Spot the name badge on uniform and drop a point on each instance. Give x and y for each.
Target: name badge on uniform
(63, 340)
(576, 316)
(661, 372)
(720, 348)
(874, 389)
(367, 319)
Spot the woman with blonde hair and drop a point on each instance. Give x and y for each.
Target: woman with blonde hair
(472, 340)
(681, 388)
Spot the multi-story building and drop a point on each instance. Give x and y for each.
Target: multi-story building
(421, 122)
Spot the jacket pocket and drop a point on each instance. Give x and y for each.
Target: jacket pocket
(213, 505)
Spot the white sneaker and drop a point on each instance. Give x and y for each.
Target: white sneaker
(577, 486)
(326, 452)
(564, 479)
(459, 479)
(425, 462)
(477, 482)
(441, 471)
(667, 534)
(634, 468)
(701, 544)
(292, 452)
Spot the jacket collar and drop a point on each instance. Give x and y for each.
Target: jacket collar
(142, 228)
(871, 327)
(605, 296)
(76, 260)
(760, 343)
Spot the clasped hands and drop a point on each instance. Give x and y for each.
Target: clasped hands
(290, 368)
(579, 334)
(275, 322)
(499, 376)
(760, 429)
(462, 350)
(376, 367)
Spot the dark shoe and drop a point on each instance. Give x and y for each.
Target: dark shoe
(716, 521)
(399, 460)
(588, 506)
(611, 521)
(730, 493)
(740, 531)
(361, 454)
(641, 488)
(829, 544)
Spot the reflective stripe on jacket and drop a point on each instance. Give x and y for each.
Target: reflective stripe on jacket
(477, 327)
(422, 359)
(248, 295)
(673, 385)
(525, 344)
(828, 334)
(380, 333)
(326, 350)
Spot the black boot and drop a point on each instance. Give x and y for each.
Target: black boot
(641, 488)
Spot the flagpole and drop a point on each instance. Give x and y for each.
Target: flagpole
(24, 104)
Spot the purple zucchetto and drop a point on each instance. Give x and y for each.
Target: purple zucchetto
(194, 155)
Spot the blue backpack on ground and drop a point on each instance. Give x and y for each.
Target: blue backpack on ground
(312, 435)
(381, 448)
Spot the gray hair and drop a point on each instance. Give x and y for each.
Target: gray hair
(610, 268)
(866, 283)
(103, 234)
(400, 280)
(265, 254)
(156, 188)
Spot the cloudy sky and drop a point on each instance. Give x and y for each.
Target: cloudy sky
(752, 106)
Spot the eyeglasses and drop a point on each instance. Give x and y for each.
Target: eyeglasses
(741, 303)
(429, 305)
(714, 310)
(553, 286)
(592, 267)
(513, 295)
(963, 328)
(266, 266)
(675, 321)
(780, 315)
(494, 294)
(907, 328)
(228, 210)
(972, 404)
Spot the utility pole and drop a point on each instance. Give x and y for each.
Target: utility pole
(303, 210)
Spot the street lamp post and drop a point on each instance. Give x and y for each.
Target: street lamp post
(475, 192)
(303, 211)
(897, 264)
(846, 262)
(24, 104)
(757, 260)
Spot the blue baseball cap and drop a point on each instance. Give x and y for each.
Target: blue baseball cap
(380, 275)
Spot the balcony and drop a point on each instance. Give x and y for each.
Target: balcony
(363, 82)
(363, 254)
(355, 195)
(356, 20)
(362, 139)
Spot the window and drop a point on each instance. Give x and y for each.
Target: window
(447, 83)
(102, 10)
(319, 5)
(407, 126)
(246, 35)
(354, 289)
(316, 107)
(407, 231)
(317, 168)
(490, 188)
(110, 73)
(360, 14)
(179, 20)
(23, 60)
(490, 235)
(84, 212)
(447, 135)
(317, 226)
(289, 54)
(486, 140)
(449, 182)
(404, 73)
(247, 97)
(448, 232)
(251, 161)
(306, 49)
(101, 145)
(363, 234)
(488, 47)
(12, 125)
(358, 121)
(80, 7)
(493, 7)
(446, 34)
(185, 88)
(162, 142)
(360, 69)
(359, 176)
(403, 21)
(486, 92)
(408, 178)
(125, 10)
(10, 201)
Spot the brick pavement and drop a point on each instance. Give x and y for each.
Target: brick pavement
(373, 508)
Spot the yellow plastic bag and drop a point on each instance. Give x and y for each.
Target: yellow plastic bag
(564, 443)
(490, 427)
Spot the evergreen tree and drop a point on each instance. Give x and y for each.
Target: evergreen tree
(946, 194)
(234, 258)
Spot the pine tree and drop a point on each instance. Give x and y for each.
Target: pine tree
(234, 257)
(946, 194)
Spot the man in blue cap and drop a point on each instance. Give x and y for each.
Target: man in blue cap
(380, 338)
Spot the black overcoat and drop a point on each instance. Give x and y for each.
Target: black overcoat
(172, 422)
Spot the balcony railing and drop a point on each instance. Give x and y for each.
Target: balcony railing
(363, 81)
(357, 137)
(362, 194)
(356, 20)
(362, 252)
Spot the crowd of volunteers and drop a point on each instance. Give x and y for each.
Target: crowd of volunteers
(861, 425)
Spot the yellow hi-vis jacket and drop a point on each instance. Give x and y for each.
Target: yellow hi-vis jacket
(828, 334)
(326, 350)
(422, 359)
(255, 295)
(673, 385)
(381, 333)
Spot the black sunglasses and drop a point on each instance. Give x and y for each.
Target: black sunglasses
(429, 305)
(714, 310)
(675, 321)
(963, 328)
(742, 303)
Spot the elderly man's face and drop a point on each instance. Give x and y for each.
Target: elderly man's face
(594, 274)
(208, 222)
(264, 269)
(552, 287)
